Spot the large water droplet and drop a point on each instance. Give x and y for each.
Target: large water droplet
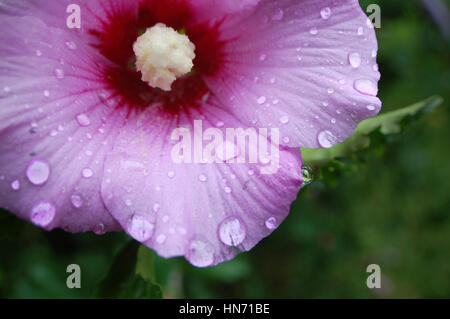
(201, 253)
(355, 59)
(325, 13)
(232, 231)
(140, 228)
(38, 172)
(308, 175)
(366, 87)
(326, 139)
(43, 213)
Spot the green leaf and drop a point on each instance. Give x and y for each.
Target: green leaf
(131, 275)
(371, 134)
(146, 263)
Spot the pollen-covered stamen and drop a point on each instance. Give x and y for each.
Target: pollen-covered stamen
(163, 55)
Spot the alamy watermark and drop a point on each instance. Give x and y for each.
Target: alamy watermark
(374, 279)
(236, 146)
(73, 20)
(74, 279)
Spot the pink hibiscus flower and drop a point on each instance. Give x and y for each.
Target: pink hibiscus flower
(87, 115)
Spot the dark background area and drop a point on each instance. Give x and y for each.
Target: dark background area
(393, 211)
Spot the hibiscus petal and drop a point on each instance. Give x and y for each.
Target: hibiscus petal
(55, 127)
(205, 212)
(308, 66)
(216, 9)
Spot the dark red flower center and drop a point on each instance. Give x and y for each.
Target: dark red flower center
(120, 30)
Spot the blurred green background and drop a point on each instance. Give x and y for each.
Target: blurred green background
(393, 211)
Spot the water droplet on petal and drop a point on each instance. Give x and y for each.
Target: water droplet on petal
(261, 100)
(227, 190)
(278, 15)
(355, 59)
(308, 175)
(360, 31)
(59, 74)
(99, 229)
(38, 53)
(87, 173)
(371, 107)
(71, 45)
(46, 93)
(313, 31)
(232, 231)
(201, 253)
(366, 87)
(43, 213)
(262, 57)
(271, 223)
(251, 172)
(284, 119)
(38, 172)
(325, 13)
(202, 178)
(76, 201)
(15, 185)
(140, 228)
(83, 120)
(156, 207)
(326, 139)
(171, 174)
(161, 239)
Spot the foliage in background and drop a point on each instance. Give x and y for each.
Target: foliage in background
(388, 205)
